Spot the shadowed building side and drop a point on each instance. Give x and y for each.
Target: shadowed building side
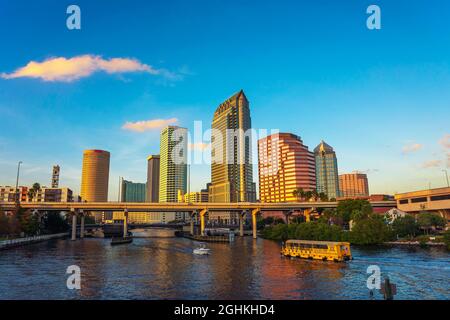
(95, 176)
(153, 167)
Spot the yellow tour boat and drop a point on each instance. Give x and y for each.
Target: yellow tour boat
(319, 250)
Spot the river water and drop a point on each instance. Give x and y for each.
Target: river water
(163, 267)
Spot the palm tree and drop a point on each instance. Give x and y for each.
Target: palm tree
(33, 191)
(323, 197)
(295, 194)
(308, 195)
(315, 195)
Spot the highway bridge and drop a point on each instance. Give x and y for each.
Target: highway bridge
(194, 209)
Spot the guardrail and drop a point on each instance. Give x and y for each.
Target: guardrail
(5, 244)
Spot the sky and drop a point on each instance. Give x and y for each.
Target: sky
(381, 98)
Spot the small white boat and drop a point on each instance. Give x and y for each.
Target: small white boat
(202, 251)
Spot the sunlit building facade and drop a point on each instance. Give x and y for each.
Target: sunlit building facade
(353, 185)
(231, 167)
(95, 176)
(285, 165)
(173, 163)
(327, 179)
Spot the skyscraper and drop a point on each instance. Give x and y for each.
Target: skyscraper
(173, 163)
(354, 185)
(132, 192)
(153, 167)
(285, 164)
(95, 176)
(326, 170)
(231, 168)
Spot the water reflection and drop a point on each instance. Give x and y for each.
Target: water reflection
(163, 267)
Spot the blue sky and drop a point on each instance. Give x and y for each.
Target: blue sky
(380, 98)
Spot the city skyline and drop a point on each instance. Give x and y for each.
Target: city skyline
(377, 108)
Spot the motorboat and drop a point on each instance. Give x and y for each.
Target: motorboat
(202, 251)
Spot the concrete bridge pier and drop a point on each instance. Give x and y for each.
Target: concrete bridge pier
(81, 224)
(193, 215)
(202, 221)
(255, 212)
(74, 224)
(125, 223)
(241, 222)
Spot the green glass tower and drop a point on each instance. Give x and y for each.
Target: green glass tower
(327, 180)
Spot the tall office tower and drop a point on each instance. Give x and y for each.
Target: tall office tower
(284, 165)
(231, 168)
(326, 170)
(132, 192)
(55, 176)
(173, 163)
(153, 164)
(95, 176)
(353, 185)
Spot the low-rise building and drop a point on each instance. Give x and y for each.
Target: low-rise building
(431, 200)
(9, 194)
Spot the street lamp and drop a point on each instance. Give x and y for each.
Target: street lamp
(17, 183)
(446, 176)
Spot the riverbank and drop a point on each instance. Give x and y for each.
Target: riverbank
(13, 243)
(415, 243)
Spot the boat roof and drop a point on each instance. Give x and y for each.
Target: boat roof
(316, 242)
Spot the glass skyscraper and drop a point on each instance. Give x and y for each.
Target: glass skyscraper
(326, 170)
(132, 192)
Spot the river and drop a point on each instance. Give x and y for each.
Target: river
(163, 267)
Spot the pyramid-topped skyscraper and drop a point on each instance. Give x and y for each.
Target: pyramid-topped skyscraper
(326, 170)
(231, 166)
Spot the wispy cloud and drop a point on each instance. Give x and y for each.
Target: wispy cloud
(410, 148)
(148, 125)
(445, 141)
(431, 164)
(71, 69)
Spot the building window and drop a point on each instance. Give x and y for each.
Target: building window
(440, 198)
(404, 201)
(416, 200)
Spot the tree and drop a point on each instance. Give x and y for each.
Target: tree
(54, 222)
(308, 195)
(299, 194)
(323, 197)
(353, 209)
(405, 226)
(28, 222)
(427, 221)
(34, 190)
(315, 195)
(369, 231)
(4, 224)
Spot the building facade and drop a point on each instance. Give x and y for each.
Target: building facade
(231, 163)
(431, 200)
(10, 194)
(173, 163)
(193, 197)
(285, 165)
(95, 176)
(153, 167)
(327, 179)
(353, 185)
(132, 192)
(52, 195)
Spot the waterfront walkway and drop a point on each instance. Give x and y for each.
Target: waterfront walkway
(7, 244)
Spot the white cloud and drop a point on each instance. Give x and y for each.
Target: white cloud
(413, 147)
(148, 125)
(445, 141)
(431, 164)
(71, 69)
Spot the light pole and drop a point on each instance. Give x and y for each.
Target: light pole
(446, 176)
(17, 183)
